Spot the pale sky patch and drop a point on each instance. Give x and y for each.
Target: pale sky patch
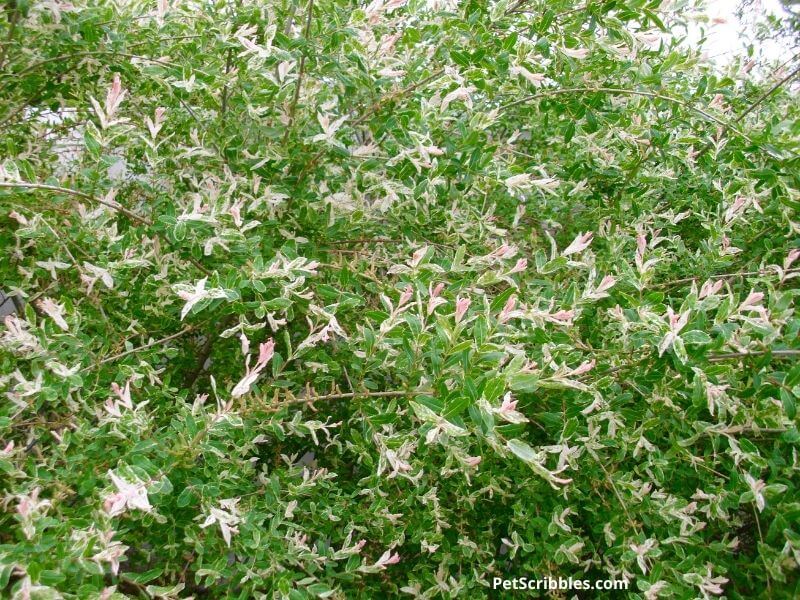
(726, 40)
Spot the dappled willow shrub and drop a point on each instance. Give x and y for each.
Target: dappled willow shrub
(338, 300)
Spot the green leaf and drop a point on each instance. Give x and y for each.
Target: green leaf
(569, 132)
(145, 576)
(277, 304)
(554, 265)
(456, 406)
(460, 58)
(792, 377)
(696, 337)
(524, 382)
(493, 389)
(522, 450)
(185, 498)
(501, 299)
(788, 401)
(320, 590)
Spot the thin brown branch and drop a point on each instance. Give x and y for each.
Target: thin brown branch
(751, 108)
(624, 92)
(287, 27)
(352, 395)
(184, 16)
(381, 241)
(206, 350)
(367, 241)
(343, 396)
(20, 108)
(78, 194)
(12, 28)
(395, 95)
(752, 429)
(66, 57)
(516, 6)
(621, 501)
(719, 276)
(275, 406)
(170, 38)
(300, 72)
(769, 93)
(368, 113)
(225, 90)
(735, 355)
(152, 344)
(113, 205)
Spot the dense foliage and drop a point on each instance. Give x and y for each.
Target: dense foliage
(340, 300)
